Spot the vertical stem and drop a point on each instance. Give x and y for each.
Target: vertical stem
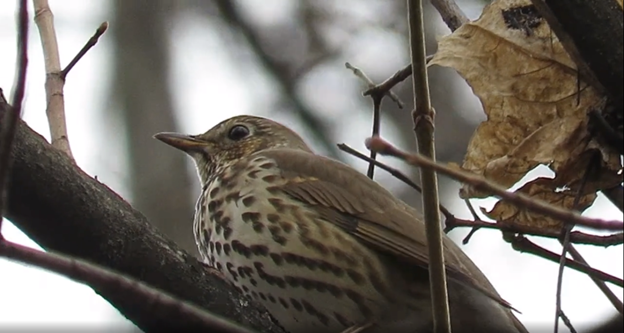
(423, 117)
(54, 83)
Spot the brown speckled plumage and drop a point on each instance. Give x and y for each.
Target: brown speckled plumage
(320, 245)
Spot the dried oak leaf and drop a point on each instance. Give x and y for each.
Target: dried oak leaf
(535, 105)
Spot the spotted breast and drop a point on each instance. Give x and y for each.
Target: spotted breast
(322, 246)
(309, 274)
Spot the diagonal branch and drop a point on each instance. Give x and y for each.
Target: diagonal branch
(451, 14)
(165, 308)
(90, 43)
(479, 182)
(67, 211)
(523, 244)
(576, 237)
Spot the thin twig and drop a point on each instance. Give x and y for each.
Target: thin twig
(565, 242)
(376, 131)
(576, 237)
(567, 321)
(423, 118)
(398, 77)
(451, 14)
(522, 244)
(371, 85)
(99, 277)
(394, 172)
(55, 109)
(376, 113)
(615, 301)
(12, 114)
(481, 183)
(90, 43)
(476, 217)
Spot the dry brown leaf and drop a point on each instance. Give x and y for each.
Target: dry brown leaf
(529, 88)
(544, 189)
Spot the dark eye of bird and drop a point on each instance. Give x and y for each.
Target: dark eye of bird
(238, 132)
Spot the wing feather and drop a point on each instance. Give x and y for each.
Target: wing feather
(369, 212)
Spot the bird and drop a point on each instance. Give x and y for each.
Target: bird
(320, 245)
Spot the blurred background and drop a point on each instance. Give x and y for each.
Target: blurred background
(186, 65)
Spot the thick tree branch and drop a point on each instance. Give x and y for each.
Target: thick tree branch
(160, 305)
(63, 209)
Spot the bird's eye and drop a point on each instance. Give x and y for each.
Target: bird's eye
(238, 132)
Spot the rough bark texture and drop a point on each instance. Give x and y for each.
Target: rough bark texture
(65, 210)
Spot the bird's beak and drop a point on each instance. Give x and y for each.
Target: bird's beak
(186, 143)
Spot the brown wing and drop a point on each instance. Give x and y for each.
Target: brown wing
(369, 212)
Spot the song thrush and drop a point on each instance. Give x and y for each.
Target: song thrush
(322, 246)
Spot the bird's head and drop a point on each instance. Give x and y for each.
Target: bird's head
(232, 140)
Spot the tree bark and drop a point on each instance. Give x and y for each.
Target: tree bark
(65, 210)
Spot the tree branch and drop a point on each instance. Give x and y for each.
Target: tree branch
(65, 210)
(479, 182)
(576, 237)
(163, 307)
(451, 14)
(12, 115)
(90, 43)
(54, 84)
(423, 117)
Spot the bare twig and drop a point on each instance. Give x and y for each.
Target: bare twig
(90, 43)
(162, 304)
(423, 118)
(615, 301)
(567, 321)
(452, 222)
(394, 172)
(576, 237)
(451, 14)
(376, 114)
(55, 109)
(11, 117)
(480, 183)
(476, 217)
(398, 77)
(565, 242)
(371, 85)
(522, 244)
